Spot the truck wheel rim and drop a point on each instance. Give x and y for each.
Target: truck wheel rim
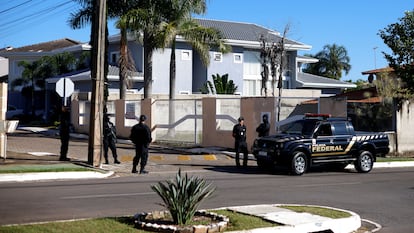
(366, 162)
(300, 164)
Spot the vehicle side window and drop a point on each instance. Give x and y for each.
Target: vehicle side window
(292, 128)
(341, 128)
(324, 130)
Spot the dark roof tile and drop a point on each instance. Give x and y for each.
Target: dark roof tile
(243, 31)
(44, 47)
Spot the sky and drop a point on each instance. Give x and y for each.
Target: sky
(353, 24)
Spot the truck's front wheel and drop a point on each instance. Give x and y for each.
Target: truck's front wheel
(299, 163)
(364, 162)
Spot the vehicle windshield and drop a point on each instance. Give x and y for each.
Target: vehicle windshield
(301, 127)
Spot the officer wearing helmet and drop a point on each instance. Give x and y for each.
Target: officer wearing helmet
(240, 144)
(141, 137)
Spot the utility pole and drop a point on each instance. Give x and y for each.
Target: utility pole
(97, 77)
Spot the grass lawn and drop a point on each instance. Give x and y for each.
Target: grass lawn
(125, 224)
(394, 159)
(324, 212)
(238, 222)
(61, 167)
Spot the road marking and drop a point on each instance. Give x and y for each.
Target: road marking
(184, 157)
(332, 184)
(107, 195)
(156, 157)
(210, 157)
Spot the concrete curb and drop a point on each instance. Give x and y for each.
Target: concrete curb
(47, 176)
(393, 164)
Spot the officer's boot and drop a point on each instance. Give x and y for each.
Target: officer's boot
(134, 165)
(142, 170)
(237, 160)
(106, 159)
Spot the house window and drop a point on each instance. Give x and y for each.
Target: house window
(114, 58)
(186, 55)
(84, 110)
(238, 58)
(251, 87)
(218, 57)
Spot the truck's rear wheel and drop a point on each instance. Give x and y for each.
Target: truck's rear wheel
(364, 162)
(299, 163)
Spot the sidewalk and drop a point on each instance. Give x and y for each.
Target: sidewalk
(294, 222)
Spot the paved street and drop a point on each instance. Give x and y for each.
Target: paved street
(380, 196)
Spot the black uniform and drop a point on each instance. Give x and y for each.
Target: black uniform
(64, 133)
(141, 137)
(109, 140)
(264, 127)
(240, 144)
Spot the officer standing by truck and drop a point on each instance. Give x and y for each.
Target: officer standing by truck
(240, 144)
(264, 128)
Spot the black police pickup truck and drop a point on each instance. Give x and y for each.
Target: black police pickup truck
(319, 139)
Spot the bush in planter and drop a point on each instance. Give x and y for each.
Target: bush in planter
(183, 195)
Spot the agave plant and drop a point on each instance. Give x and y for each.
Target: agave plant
(183, 196)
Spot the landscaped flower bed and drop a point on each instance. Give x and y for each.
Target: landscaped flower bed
(161, 221)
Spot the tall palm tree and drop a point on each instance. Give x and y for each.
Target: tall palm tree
(146, 19)
(202, 39)
(333, 60)
(83, 16)
(126, 63)
(178, 21)
(115, 9)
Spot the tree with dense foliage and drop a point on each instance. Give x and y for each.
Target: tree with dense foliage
(333, 61)
(360, 84)
(35, 73)
(399, 37)
(28, 81)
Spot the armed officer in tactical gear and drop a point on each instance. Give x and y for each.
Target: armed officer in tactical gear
(109, 139)
(141, 137)
(240, 144)
(264, 127)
